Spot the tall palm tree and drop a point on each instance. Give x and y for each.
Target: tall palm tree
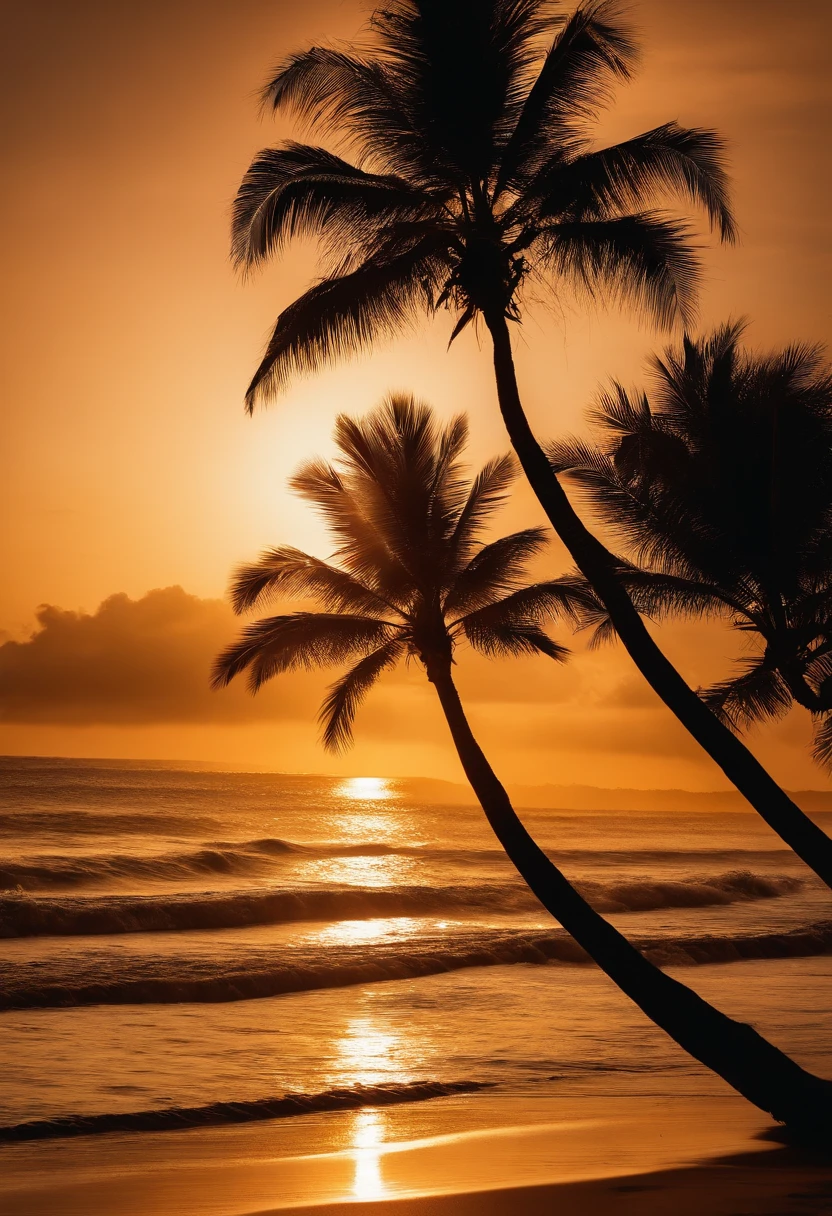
(719, 485)
(467, 174)
(412, 578)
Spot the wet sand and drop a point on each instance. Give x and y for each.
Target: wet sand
(777, 1184)
(484, 1156)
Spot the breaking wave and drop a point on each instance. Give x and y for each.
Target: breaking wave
(264, 973)
(177, 1118)
(24, 916)
(247, 857)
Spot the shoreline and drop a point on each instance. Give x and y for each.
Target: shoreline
(719, 1188)
(489, 1155)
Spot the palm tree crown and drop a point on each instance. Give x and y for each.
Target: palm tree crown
(412, 575)
(720, 485)
(469, 168)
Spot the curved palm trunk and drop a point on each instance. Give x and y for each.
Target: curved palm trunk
(748, 1062)
(597, 565)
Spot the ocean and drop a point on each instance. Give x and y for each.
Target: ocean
(183, 948)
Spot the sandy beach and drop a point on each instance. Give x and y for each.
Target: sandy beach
(643, 1155)
(723, 1189)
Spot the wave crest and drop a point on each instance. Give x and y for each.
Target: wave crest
(246, 857)
(24, 916)
(178, 1117)
(262, 855)
(171, 980)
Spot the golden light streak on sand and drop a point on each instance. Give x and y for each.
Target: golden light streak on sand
(368, 1136)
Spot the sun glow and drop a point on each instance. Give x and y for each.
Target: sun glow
(365, 789)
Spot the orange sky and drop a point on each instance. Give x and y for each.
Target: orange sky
(128, 464)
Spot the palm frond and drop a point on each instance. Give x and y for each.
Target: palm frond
(641, 259)
(605, 183)
(530, 605)
(401, 436)
(495, 570)
(590, 468)
(653, 532)
(304, 640)
(343, 314)
(591, 51)
(398, 461)
(466, 316)
(583, 607)
(355, 96)
(822, 741)
(512, 641)
(326, 84)
(513, 623)
(622, 415)
(487, 493)
(449, 488)
(653, 593)
(346, 695)
(299, 190)
(658, 595)
(289, 571)
(758, 692)
(361, 548)
(687, 378)
(603, 634)
(817, 671)
(578, 456)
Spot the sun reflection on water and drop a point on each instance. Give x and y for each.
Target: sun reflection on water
(367, 1053)
(369, 810)
(348, 931)
(362, 870)
(366, 789)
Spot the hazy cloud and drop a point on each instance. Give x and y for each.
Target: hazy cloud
(146, 664)
(148, 661)
(136, 662)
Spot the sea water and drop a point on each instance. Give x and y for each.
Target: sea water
(252, 945)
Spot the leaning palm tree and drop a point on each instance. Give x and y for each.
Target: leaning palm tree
(411, 580)
(468, 174)
(719, 486)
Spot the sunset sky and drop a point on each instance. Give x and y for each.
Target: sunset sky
(132, 481)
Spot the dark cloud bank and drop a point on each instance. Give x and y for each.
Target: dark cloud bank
(135, 662)
(147, 662)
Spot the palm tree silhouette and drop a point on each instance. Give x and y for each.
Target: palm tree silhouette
(412, 578)
(472, 174)
(719, 484)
